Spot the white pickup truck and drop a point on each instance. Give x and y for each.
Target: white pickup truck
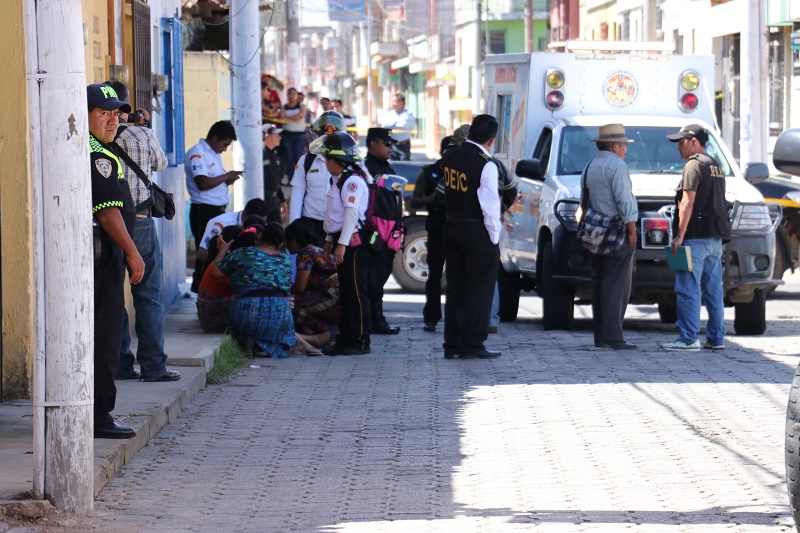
(549, 106)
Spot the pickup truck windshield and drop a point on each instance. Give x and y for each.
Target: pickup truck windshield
(650, 153)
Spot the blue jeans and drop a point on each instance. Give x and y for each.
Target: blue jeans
(702, 285)
(494, 317)
(149, 309)
(295, 145)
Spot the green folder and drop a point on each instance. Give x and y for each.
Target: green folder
(681, 262)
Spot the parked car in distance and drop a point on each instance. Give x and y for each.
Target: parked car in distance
(410, 267)
(785, 192)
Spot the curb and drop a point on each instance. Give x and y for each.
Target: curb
(147, 426)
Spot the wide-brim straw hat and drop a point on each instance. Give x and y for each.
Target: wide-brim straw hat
(612, 133)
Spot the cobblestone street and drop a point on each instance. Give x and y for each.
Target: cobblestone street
(553, 436)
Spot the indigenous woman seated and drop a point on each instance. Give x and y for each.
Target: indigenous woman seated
(260, 277)
(215, 293)
(316, 287)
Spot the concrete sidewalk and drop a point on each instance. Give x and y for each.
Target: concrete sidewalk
(147, 407)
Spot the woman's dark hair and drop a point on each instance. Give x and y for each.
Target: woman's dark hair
(273, 234)
(248, 235)
(300, 232)
(253, 221)
(228, 233)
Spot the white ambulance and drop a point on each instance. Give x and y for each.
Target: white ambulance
(549, 106)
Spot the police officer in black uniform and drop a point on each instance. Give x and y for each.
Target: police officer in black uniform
(114, 221)
(424, 197)
(273, 172)
(379, 149)
(471, 234)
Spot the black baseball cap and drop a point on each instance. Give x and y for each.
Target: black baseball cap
(103, 96)
(692, 131)
(380, 134)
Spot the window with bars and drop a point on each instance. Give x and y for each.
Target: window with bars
(142, 73)
(497, 42)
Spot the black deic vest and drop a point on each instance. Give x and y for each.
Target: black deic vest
(709, 218)
(462, 167)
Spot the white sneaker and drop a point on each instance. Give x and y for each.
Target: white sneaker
(708, 346)
(678, 346)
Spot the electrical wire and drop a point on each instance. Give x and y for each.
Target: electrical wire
(252, 57)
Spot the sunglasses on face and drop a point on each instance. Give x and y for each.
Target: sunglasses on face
(387, 144)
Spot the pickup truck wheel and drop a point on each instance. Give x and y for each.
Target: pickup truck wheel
(509, 286)
(558, 299)
(668, 313)
(410, 267)
(751, 318)
(792, 446)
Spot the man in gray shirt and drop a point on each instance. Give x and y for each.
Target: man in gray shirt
(609, 190)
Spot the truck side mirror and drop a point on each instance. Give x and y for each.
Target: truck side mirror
(529, 168)
(756, 172)
(786, 155)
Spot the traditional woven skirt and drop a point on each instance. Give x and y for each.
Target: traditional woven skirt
(212, 310)
(315, 312)
(265, 319)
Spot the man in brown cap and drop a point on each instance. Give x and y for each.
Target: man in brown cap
(609, 192)
(702, 224)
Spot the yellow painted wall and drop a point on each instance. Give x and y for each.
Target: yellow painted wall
(95, 17)
(16, 258)
(207, 96)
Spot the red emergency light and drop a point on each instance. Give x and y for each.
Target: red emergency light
(688, 85)
(554, 79)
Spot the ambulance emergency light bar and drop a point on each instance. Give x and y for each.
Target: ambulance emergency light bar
(617, 46)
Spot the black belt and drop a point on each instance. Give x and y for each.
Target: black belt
(463, 219)
(294, 132)
(264, 292)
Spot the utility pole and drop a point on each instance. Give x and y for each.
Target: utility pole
(476, 70)
(753, 125)
(529, 26)
(370, 82)
(63, 374)
(245, 40)
(649, 8)
(293, 43)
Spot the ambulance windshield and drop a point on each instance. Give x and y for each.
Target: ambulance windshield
(650, 153)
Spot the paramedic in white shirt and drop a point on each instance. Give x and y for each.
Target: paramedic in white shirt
(207, 181)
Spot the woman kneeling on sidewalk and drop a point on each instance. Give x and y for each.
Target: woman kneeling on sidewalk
(260, 277)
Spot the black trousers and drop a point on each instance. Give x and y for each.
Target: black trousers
(472, 263)
(109, 302)
(379, 271)
(611, 290)
(355, 323)
(199, 215)
(432, 311)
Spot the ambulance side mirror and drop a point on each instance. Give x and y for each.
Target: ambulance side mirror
(786, 155)
(756, 172)
(529, 168)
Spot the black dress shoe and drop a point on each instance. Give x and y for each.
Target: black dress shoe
(429, 326)
(114, 431)
(492, 329)
(450, 354)
(615, 345)
(135, 374)
(168, 375)
(382, 328)
(483, 353)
